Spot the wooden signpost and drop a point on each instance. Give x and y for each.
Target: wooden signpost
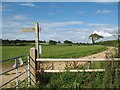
(36, 29)
(34, 52)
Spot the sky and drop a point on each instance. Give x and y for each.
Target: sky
(60, 0)
(73, 21)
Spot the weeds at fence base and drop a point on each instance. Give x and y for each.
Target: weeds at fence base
(107, 79)
(76, 80)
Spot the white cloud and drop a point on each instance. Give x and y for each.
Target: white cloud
(96, 24)
(13, 30)
(60, 24)
(28, 4)
(104, 34)
(76, 35)
(69, 23)
(104, 11)
(83, 37)
(108, 29)
(20, 17)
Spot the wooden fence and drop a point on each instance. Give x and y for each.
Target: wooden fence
(42, 60)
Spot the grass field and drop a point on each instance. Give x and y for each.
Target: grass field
(53, 51)
(14, 51)
(70, 51)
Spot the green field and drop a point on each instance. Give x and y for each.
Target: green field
(70, 51)
(14, 51)
(53, 51)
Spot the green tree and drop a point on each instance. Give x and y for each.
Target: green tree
(51, 42)
(67, 42)
(95, 37)
(58, 42)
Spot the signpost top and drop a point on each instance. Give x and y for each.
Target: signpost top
(36, 29)
(32, 29)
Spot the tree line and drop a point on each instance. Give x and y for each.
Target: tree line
(7, 42)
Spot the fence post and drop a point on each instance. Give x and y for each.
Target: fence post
(89, 64)
(74, 64)
(33, 64)
(29, 71)
(16, 63)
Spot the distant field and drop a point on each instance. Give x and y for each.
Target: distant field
(13, 51)
(53, 51)
(70, 51)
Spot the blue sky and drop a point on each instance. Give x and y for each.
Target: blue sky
(61, 21)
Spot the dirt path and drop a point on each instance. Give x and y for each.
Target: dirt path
(102, 54)
(8, 76)
(57, 65)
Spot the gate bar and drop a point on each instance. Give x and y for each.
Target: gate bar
(75, 59)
